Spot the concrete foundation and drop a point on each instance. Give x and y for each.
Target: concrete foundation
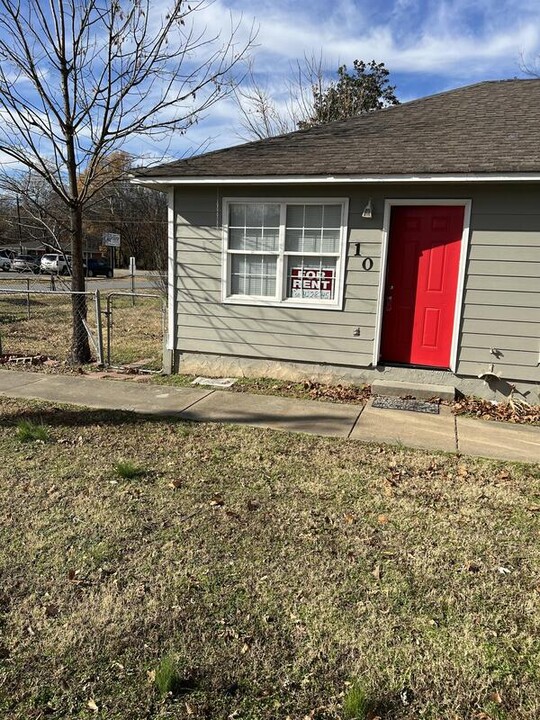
(230, 366)
(419, 390)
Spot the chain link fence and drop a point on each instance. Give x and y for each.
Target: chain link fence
(135, 330)
(36, 328)
(121, 330)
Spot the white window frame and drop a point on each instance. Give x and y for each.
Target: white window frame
(280, 299)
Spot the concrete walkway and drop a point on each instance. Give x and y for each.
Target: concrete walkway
(431, 432)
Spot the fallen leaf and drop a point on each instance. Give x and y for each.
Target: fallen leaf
(177, 483)
(382, 519)
(376, 572)
(495, 697)
(253, 505)
(92, 705)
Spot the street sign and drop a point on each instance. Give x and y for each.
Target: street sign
(111, 239)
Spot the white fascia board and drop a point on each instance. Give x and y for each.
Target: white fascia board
(339, 180)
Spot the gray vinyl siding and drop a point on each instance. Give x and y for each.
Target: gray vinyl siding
(502, 290)
(501, 301)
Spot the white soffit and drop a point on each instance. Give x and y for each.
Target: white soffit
(340, 179)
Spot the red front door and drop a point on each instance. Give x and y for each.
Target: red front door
(421, 284)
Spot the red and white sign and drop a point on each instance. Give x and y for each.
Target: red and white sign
(312, 283)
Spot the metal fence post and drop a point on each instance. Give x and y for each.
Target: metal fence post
(132, 274)
(99, 328)
(109, 327)
(28, 298)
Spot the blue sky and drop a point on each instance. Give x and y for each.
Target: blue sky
(428, 45)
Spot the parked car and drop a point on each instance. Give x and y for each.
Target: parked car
(26, 263)
(5, 263)
(55, 263)
(97, 266)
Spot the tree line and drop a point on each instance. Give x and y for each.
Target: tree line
(35, 219)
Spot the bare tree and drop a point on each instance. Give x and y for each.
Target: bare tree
(263, 115)
(79, 78)
(530, 66)
(41, 215)
(138, 214)
(312, 97)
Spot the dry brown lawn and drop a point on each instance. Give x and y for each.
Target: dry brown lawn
(272, 572)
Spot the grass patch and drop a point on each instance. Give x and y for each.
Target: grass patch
(357, 704)
(168, 679)
(275, 567)
(28, 431)
(128, 470)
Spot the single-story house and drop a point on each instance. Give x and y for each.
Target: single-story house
(401, 245)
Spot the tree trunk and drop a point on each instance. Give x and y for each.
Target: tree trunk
(80, 347)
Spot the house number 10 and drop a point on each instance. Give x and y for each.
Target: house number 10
(367, 262)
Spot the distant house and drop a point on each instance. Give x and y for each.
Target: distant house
(403, 245)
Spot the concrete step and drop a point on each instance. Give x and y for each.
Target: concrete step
(421, 391)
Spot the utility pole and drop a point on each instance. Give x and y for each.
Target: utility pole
(19, 225)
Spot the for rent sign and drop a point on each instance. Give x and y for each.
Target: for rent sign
(312, 283)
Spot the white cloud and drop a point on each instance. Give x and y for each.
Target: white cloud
(439, 36)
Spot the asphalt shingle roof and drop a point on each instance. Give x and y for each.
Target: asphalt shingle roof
(491, 127)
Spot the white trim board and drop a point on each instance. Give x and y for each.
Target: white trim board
(171, 272)
(337, 180)
(464, 249)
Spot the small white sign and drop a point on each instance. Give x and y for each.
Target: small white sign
(132, 267)
(111, 239)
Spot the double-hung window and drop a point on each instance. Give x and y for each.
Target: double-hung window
(284, 252)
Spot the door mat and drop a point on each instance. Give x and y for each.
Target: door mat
(396, 403)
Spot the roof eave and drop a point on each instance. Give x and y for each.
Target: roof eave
(167, 180)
